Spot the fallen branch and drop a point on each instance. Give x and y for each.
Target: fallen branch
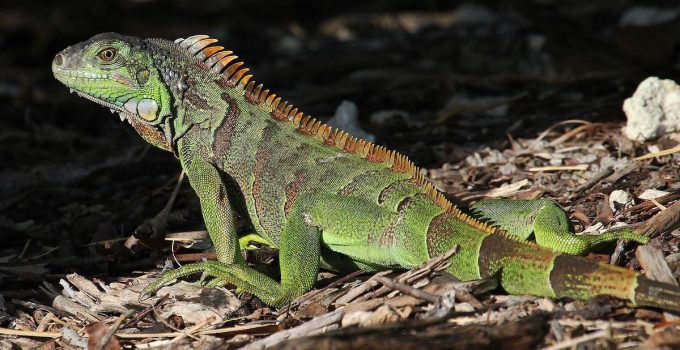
(235, 329)
(567, 344)
(317, 325)
(664, 221)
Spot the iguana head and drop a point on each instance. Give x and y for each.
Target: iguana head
(119, 72)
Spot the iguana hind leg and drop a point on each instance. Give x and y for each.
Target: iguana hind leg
(355, 231)
(549, 224)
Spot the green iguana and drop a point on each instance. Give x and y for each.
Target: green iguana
(322, 197)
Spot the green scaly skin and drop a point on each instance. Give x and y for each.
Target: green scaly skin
(321, 198)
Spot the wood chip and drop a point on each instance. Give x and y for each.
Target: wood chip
(656, 268)
(508, 190)
(654, 264)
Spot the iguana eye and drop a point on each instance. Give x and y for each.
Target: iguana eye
(107, 54)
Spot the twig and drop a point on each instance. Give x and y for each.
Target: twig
(23, 251)
(192, 257)
(361, 289)
(160, 220)
(595, 179)
(560, 167)
(104, 340)
(467, 297)
(604, 324)
(139, 316)
(648, 205)
(658, 205)
(32, 305)
(548, 130)
(618, 250)
(571, 133)
(189, 332)
(578, 340)
(617, 175)
(316, 325)
(235, 329)
(409, 290)
(438, 263)
(7, 331)
(314, 293)
(659, 153)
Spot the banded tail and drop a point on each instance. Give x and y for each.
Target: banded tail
(526, 268)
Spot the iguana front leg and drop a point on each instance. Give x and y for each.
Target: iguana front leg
(298, 250)
(218, 212)
(549, 224)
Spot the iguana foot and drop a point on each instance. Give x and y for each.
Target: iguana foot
(219, 272)
(549, 225)
(237, 274)
(626, 232)
(169, 276)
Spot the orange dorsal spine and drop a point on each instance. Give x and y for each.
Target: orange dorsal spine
(223, 63)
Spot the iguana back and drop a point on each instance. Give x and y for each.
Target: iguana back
(318, 194)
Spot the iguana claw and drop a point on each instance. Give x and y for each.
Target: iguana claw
(182, 271)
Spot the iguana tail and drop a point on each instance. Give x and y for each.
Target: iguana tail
(526, 268)
(657, 294)
(576, 277)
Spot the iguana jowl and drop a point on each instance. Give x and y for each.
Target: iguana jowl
(321, 196)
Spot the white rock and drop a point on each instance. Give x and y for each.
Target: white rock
(347, 118)
(620, 198)
(653, 110)
(643, 16)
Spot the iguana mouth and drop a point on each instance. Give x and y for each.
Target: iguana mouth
(70, 75)
(123, 114)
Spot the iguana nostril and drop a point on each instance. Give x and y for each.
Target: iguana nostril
(59, 59)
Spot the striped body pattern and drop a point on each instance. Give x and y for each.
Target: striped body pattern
(323, 197)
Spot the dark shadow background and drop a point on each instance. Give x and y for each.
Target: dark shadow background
(433, 79)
